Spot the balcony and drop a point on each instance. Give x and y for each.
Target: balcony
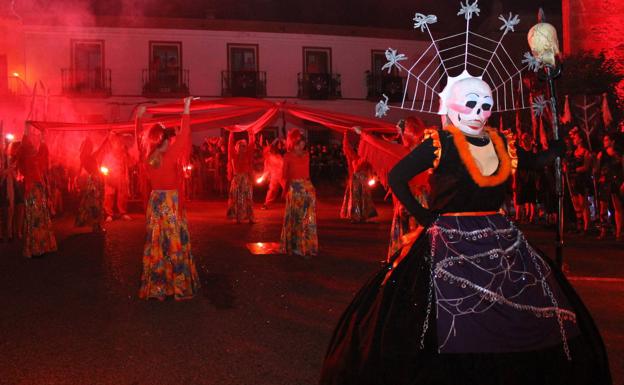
(390, 85)
(167, 83)
(92, 82)
(250, 84)
(318, 86)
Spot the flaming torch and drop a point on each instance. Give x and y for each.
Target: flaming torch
(186, 170)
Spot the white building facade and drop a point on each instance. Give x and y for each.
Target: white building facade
(99, 70)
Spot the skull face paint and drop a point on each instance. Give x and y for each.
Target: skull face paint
(470, 105)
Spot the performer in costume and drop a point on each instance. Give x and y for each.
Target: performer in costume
(273, 165)
(90, 212)
(478, 303)
(240, 168)
(383, 155)
(299, 233)
(168, 265)
(32, 163)
(357, 204)
(467, 300)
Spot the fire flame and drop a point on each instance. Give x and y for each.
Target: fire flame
(10, 137)
(372, 182)
(104, 170)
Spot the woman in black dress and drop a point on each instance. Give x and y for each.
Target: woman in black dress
(578, 169)
(525, 189)
(467, 300)
(610, 167)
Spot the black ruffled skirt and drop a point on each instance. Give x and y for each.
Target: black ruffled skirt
(479, 307)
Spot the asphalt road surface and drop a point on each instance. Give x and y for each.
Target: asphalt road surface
(73, 317)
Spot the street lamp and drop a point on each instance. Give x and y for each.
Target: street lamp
(544, 44)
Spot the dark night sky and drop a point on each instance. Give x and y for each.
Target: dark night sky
(378, 13)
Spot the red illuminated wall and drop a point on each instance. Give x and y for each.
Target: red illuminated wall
(595, 25)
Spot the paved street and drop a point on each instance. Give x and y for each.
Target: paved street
(73, 317)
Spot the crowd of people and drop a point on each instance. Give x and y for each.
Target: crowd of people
(594, 186)
(593, 180)
(170, 171)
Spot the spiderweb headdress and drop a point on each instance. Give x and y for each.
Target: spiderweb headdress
(452, 58)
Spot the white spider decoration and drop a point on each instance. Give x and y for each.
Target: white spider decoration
(539, 105)
(381, 109)
(533, 63)
(449, 59)
(468, 9)
(421, 21)
(509, 23)
(393, 59)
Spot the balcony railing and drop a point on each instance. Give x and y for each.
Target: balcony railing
(251, 84)
(319, 86)
(91, 82)
(170, 82)
(390, 85)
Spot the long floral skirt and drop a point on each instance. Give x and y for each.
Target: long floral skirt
(357, 204)
(39, 237)
(240, 200)
(299, 229)
(168, 266)
(90, 210)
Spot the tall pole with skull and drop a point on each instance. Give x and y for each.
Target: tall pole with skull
(544, 45)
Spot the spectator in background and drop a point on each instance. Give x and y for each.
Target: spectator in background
(525, 188)
(578, 168)
(610, 171)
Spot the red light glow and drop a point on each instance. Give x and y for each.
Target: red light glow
(10, 137)
(372, 182)
(104, 170)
